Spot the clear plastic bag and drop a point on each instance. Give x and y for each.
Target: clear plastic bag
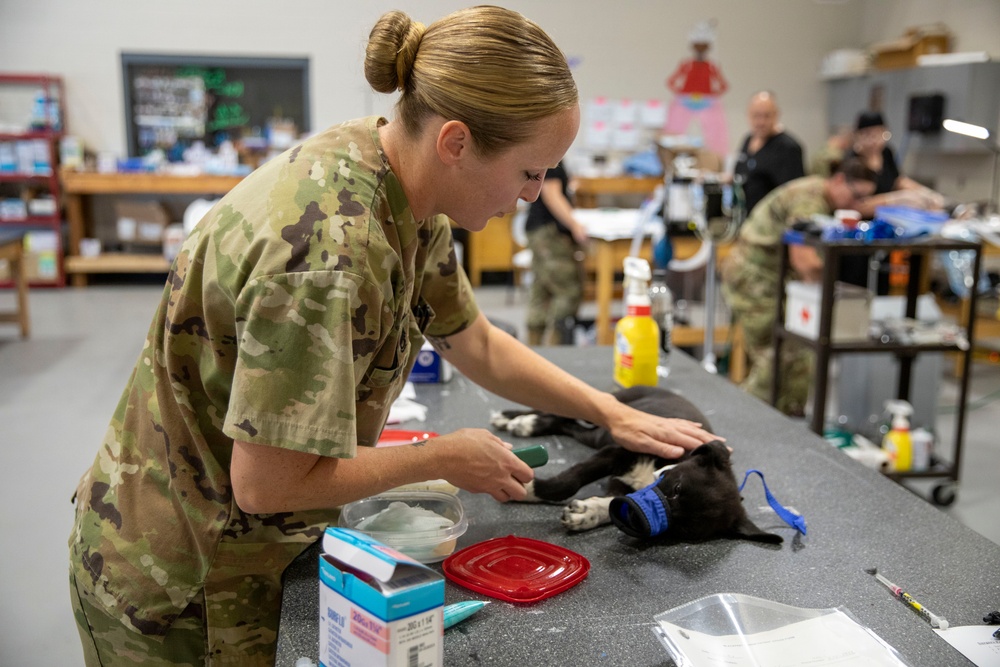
(740, 630)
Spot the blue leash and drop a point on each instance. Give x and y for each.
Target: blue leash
(796, 521)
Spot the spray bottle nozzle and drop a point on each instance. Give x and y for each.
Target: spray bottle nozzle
(638, 268)
(900, 411)
(637, 276)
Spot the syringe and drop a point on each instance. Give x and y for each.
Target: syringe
(935, 620)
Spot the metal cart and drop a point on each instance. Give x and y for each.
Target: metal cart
(919, 250)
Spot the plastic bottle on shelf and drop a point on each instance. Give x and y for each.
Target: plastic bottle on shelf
(662, 312)
(637, 336)
(923, 447)
(897, 442)
(45, 112)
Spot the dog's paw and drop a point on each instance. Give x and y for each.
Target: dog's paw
(529, 488)
(523, 426)
(499, 420)
(586, 514)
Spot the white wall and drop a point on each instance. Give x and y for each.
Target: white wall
(975, 26)
(626, 48)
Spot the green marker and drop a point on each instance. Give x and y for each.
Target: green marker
(533, 455)
(460, 611)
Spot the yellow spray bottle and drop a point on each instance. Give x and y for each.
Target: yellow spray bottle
(637, 336)
(897, 442)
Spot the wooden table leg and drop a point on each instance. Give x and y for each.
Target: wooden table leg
(77, 228)
(605, 286)
(737, 355)
(20, 274)
(13, 252)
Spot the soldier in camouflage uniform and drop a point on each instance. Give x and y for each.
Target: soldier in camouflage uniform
(556, 240)
(750, 275)
(288, 325)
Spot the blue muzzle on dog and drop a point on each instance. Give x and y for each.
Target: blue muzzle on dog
(643, 513)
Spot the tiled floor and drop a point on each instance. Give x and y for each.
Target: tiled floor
(58, 389)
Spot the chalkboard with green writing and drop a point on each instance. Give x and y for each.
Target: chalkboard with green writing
(172, 101)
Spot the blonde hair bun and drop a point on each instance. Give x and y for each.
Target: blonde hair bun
(391, 51)
(488, 67)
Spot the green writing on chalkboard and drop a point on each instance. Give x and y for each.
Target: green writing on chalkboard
(228, 115)
(231, 89)
(213, 77)
(215, 80)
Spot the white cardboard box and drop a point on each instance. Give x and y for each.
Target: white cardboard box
(850, 311)
(377, 606)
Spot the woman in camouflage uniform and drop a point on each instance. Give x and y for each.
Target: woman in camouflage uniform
(288, 325)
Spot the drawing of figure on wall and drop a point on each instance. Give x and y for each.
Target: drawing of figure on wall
(697, 84)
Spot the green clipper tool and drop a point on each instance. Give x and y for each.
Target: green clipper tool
(533, 455)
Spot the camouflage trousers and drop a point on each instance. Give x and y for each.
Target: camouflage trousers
(190, 641)
(556, 288)
(753, 304)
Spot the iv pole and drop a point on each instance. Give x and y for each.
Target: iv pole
(733, 210)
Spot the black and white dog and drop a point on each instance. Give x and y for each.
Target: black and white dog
(699, 493)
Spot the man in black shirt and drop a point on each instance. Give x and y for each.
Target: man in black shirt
(768, 156)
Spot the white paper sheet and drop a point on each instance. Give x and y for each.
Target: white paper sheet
(653, 113)
(405, 407)
(626, 112)
(975, 642)
(625, 137)
(598, 135)
(614, 223)
(599, 110)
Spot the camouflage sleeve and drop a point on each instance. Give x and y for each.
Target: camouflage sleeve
(774, 214)
(761, 228)
(803, 208)
(446, 288)
(306, 340)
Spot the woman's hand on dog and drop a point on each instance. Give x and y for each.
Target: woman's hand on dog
(478, 461)
(648, 434)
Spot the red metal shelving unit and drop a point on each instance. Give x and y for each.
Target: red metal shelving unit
(52, 89)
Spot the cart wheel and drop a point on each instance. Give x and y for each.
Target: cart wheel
(944, 494)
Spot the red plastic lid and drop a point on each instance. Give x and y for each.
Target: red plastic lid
(397, 436)
(516, 569)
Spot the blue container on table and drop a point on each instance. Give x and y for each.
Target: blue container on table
(911, 222)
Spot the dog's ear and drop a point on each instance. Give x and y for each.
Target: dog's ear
(746, 529)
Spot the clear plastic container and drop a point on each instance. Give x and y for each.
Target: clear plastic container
(426, 546)
(736, 629)
(662, 311)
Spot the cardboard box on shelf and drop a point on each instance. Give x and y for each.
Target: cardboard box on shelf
(41, 256)
(850, 311)
(915, 42)
(140, 222)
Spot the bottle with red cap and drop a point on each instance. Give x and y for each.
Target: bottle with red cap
(637, 336)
